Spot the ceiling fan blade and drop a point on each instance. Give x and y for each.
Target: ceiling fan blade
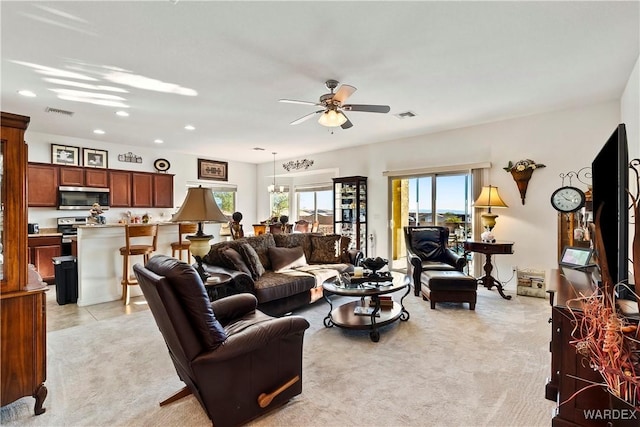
(343, 93)
(305, 117)
(347, 124)
(367, 108)
(293, 101)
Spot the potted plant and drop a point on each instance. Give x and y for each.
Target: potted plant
(451, 221)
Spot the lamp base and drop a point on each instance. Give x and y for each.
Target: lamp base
(489, 220)
(199, 248)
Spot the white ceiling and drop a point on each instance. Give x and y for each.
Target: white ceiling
(453, 64)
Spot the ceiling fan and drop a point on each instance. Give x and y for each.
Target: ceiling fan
(332, 113)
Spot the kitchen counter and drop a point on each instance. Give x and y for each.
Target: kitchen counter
(100, 262)
(45, 234)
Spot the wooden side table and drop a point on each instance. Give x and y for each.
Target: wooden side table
(215, 281)
(488, 249)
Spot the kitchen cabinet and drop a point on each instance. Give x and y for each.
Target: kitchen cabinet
(42, 185)
(162, 191)
(96, 178)
(41, 250)
(350, 210)
(120, 189)
(142, 190)
(23, 346)
(72, 176)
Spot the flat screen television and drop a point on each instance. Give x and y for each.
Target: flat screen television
(610, 179)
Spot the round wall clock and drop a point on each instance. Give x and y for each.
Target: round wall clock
(568, 199)
(162, 165)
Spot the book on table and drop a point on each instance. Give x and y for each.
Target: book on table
(386, 301)
(364, 311)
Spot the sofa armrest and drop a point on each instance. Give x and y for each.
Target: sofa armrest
(253, 338)
(233, 307)
(240, 282)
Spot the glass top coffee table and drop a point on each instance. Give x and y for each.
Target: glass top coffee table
(373, 306)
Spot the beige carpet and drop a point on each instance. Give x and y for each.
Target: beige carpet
(444, 367)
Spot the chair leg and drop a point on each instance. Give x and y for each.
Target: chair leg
(183, 392)
(125, 279)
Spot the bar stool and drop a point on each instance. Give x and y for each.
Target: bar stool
(183, 245)
(130, 249)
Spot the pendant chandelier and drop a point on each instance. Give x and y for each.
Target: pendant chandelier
(272, 187)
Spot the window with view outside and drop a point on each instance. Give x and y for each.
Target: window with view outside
(316, 206)
(279, 204)
(226, 201)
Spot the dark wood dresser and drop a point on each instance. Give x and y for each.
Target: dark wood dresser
(570, 371)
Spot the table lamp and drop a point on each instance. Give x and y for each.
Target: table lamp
(489, 198)
(199, 206)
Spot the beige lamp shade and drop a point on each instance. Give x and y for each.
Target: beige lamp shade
(199, 206)
(489, 198)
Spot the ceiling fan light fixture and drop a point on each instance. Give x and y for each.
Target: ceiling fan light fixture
(332, 118)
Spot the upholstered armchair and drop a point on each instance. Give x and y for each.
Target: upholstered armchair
(236, 360)
(427, 250)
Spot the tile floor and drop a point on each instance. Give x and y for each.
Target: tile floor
(69, 315)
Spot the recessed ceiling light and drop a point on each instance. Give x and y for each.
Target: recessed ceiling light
(158, 141)
(190, 127)
(122, 113)
(27, 93)
(99, 131)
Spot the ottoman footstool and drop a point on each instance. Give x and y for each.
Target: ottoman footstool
(448, 286)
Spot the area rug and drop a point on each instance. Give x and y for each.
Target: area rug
(445, 367)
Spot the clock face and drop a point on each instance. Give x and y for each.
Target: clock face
(567, 199)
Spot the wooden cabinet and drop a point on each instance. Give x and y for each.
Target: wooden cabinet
(127, 189)
(350, 210)
(22, 305)
(120, 189)
(96, 178)
(72, 176)
(41, 250)
(162, 191)
(570, 371)
(142, 190)
(42, 185)
(83, 177)
(574, 227)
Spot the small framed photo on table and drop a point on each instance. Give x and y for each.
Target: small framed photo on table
(65, 155)
(95, 158)
(213, 169)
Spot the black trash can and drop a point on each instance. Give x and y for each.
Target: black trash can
(66, 271)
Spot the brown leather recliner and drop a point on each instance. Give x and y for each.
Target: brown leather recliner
(236, 360)
(427, 250)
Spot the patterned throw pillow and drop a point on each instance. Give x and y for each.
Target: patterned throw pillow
(287, 258)
(252, 259)
(234, 259)
(325, 249)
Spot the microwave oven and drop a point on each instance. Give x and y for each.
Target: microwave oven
(79, 198)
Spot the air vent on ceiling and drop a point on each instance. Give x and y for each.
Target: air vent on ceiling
(59, 111)
(405, 114)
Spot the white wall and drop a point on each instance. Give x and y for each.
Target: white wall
(630, 111)
(563, 140)
(183, 166)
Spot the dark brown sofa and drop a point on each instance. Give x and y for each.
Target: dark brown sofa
(238, 362)
(283, 271)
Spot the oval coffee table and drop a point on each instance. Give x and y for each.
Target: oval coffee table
(368, 294)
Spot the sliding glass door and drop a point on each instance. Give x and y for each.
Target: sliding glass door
(433, 199)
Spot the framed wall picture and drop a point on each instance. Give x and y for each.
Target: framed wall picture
(65, 155)
(213, 169)
(95, 158)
